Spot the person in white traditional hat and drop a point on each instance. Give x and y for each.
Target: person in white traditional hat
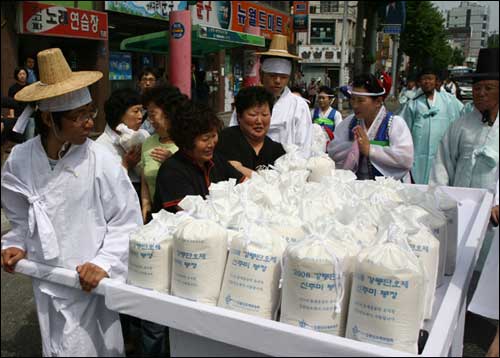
(291, 120)
(59, 192)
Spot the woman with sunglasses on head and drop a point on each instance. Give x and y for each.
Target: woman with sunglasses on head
(377, 140)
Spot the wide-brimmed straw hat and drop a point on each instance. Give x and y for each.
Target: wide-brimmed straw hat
(56, 78)
(279, 48)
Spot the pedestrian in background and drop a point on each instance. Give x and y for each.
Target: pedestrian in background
(148, 78)
(428, 116)
(30, 66)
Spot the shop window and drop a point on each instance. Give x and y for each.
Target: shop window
(323, 33)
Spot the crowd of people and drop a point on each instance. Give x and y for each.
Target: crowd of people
(45, 180)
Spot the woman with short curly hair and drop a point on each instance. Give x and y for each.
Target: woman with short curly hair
(195, 130)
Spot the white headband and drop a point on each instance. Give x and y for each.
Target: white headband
(65, 102)
(277, 65)
(368, 94)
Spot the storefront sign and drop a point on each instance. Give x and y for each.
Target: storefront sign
(154, 9)
(236, 15)
(50, 20)
(213, 33)
(300, 16)
(319, 54)
(247, 13)
(120, 66)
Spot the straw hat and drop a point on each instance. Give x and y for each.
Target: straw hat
(279, 48)
(56, 78)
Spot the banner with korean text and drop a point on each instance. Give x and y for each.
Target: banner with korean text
(52, 20)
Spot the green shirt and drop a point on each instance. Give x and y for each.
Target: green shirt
(150, 165)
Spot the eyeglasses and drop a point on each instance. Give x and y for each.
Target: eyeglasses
(148, 79)
(83, 118)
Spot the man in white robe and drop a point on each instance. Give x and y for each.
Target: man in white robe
(70, 205)
(290, 120)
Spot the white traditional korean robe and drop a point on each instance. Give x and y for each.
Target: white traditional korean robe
(82, 211)
(393, 161)
(290, 122)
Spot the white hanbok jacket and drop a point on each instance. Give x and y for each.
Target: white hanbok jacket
(290, 122)
(393, 161)
(82, 211)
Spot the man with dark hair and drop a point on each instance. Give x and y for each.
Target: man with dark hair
(148, 78)
(30, 67)
(428, 116)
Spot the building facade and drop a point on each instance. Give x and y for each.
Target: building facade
(471, 15)
(320, 45)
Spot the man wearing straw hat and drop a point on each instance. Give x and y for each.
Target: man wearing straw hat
(291, 120)
(70, 206)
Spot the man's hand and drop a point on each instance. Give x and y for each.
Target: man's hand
(10, 257)
(363, 141)
(90, 276)
(160, 154)
(132, 157)
(494, 216)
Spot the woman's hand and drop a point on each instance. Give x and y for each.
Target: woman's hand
(90, 276)
(363, 141)
(160, 154)
(132, 157)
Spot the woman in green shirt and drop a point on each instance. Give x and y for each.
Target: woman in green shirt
(161, 103)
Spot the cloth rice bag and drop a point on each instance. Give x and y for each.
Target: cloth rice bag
(387, 297)
(320, 166)
(320, 140)
(199, 259)
(130, 138)
(426, 247)
(315, 285)
(150, 257)
(434, 219)
(294, 159)
(449, 206)
(253, 270)
(287, 227)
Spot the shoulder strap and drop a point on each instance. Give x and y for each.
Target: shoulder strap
(316, 113)
(332, 114)
(383, 130)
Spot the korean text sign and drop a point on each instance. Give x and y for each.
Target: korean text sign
(51, 20)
